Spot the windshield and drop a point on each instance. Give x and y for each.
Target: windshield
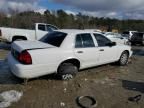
(54, 38)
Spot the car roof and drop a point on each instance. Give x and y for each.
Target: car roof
(76, 31)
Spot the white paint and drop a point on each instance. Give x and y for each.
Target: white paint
(46, 61)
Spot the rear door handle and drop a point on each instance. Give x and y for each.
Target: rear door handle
(79, 51)
(101, 50)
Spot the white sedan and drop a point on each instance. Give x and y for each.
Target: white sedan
(118, 38)
(64, 52)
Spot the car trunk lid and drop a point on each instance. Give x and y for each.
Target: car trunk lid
(20, 49)
(29, 45)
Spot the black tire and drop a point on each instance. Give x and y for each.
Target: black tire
(123, 58)
(67, 71)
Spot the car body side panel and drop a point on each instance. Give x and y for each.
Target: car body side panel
(28, 71)
(89, 56)
(47, 60)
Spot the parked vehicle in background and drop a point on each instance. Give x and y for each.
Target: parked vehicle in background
(118, 38)
(39, 30)
(137, 38)
(64, 52)
(94, 30)
(128, 34)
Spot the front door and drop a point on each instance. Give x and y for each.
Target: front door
(107, 53)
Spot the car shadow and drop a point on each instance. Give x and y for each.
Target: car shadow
(134, 86)
(6, 77)
(5, 46)
(138, 52)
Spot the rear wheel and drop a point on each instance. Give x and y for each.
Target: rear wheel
(67, 71)
(123, 58)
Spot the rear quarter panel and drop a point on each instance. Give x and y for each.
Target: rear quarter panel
(9, 33)
(29, 34)
(51, 57)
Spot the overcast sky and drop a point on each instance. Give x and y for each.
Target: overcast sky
(123, 9)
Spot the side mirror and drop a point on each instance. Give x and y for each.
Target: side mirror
(111, 44)
(121, 38)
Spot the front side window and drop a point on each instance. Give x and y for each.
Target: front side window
(54, 38)
(84, 40)
(102, 40)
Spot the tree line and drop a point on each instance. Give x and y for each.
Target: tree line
(62, 20)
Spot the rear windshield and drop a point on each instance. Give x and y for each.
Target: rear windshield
(54, 38)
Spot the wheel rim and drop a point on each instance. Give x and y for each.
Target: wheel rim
(67, 76)
(124, 58)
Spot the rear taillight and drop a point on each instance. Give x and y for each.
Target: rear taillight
(25, 58)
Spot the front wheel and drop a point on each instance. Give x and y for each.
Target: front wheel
(67, 71)
(123, 58)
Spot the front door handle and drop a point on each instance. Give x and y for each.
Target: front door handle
(79, 51)
(101, 50)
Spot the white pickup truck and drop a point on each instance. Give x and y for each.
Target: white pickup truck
(13, 34)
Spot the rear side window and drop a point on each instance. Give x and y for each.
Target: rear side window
(102, 40)
(84, 41)
(54, 38)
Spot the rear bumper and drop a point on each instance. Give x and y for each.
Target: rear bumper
(26, 71)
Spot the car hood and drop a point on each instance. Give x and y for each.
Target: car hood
(29, 45)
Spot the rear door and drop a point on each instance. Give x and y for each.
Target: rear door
(85, 50)
(106, 53)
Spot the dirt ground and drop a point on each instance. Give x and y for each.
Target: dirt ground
(110, 85)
